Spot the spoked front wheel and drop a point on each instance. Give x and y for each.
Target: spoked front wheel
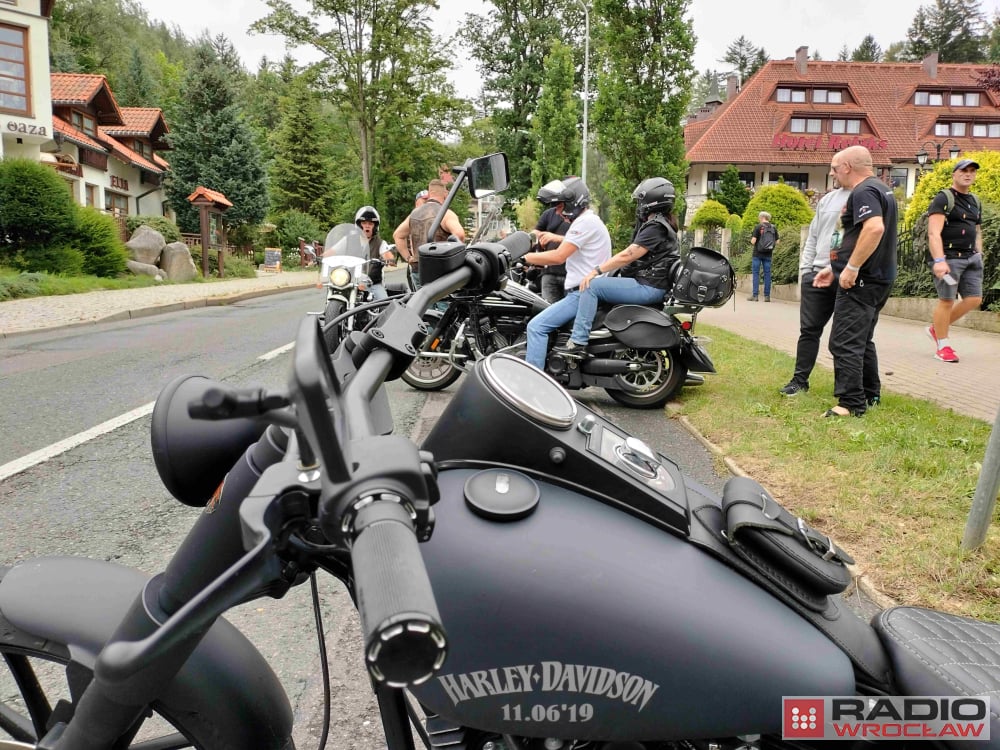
(654, 385)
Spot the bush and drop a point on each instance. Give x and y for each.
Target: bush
(161, 224)
(787, 206)
(35, 209)
(21, 285)
(710, 215)
(63, 259)
(294, 224)
(235, 267)
(104, 254)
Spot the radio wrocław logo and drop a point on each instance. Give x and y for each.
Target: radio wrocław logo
(886, 717)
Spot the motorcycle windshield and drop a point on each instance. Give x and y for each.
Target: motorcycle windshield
(344, 247)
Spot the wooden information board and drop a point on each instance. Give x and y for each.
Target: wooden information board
(272, 259)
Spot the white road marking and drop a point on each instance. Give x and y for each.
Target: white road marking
(277, 352)
(51, 451)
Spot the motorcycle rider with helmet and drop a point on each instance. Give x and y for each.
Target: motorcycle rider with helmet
(368, 220)
(587, 244)
(646, 265)
(553, 278)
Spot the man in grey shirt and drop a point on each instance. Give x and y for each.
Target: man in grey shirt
(816, 306)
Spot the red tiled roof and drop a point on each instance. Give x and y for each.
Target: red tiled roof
(744, 129)
(86, 90)
(76, 136)
(138, 121)
(123, 153)
(161, 162)
(212, 195)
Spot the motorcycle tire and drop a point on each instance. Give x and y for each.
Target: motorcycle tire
(430, 373)
(33, 679)
(650, 389)
(333, 335)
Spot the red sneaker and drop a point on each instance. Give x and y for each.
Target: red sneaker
(946, 354)
(929, 330)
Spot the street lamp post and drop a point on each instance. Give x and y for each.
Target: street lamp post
(586, 83)
(922, 154)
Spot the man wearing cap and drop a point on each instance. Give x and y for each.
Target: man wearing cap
(955, 239)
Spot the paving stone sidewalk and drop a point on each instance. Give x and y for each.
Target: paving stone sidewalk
(906, 355)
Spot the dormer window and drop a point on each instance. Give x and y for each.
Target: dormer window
(83, 122)
(790, 95)
(953, 98)
(828, 96)
(852, 127)
(142, 148)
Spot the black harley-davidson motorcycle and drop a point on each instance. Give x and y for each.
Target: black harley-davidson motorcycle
(641, 355)
(530, 577)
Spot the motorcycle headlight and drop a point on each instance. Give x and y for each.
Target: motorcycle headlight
(340, 276)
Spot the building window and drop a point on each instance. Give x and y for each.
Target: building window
(803, 125)
(798, 180)
(986, 130)
(827, 96)
(791, 95)
(715, 178)
(845, 126)
(116, 203)
(91, 194)
(142, 148)
(83, 122)
(950, 128)
(898, 177)
(928, 98)
(14, 70)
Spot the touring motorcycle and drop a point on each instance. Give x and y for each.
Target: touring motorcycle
(530, 577)
(344, 274)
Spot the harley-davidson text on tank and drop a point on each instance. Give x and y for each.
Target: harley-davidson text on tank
(549, 677)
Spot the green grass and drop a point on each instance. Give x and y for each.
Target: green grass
(894, 488)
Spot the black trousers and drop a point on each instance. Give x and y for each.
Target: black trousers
(815, 311)
(852, 343)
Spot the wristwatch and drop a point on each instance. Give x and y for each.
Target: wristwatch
(597, 270)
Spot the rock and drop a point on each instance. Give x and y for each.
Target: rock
(177, 263)
(145, 269)
(146, 245)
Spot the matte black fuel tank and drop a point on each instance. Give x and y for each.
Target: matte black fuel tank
(582, 621)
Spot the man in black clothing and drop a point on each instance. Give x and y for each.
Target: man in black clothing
(553, 278)
(955, 238)
(864, 267)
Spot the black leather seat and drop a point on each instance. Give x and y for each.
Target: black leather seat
(934, 653)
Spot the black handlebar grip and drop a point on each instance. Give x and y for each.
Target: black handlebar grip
(405, 643)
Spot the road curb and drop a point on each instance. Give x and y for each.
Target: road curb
(859, 579)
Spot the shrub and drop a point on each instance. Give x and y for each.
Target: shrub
(787, 206)
(35, 208)
(21, 285)
(235, 267)
(161, 224)
(61, 258)
(710, 215)
(294, 224)
(104, 254)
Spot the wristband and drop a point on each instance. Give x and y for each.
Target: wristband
(853, 268)
(597, 270)
(939, 260)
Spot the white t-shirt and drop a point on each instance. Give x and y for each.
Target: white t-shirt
(593, 247)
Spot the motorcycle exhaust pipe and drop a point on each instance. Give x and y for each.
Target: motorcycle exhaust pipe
(609, 366)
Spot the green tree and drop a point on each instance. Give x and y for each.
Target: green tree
(732, 193)
(301, 172)
(955, 29)
(844, 55)
(513, 72)
(137, 87)
(744, 57)
(867, 51)
(214, 147)
(993, 40)
(643, 92)
(555, 120)
(379, 62)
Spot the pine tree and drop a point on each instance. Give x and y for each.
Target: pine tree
(137, 88)
(955, 29)
(744, 57)
(301, 172)
(867, 51)
(643, 92)
(214, 147)
(732, 193)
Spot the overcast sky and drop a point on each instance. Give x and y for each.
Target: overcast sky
(780, 26)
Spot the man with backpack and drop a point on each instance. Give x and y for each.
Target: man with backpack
(955, 242)
(763, 238)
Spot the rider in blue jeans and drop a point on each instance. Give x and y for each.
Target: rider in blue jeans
(646, 263)
(763, 238)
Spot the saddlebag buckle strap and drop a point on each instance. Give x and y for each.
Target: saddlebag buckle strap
(784, 548)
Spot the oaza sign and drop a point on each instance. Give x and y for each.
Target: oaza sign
(826, 142)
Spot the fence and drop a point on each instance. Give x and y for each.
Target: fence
(234, 251)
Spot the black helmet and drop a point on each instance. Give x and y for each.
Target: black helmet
(367, 213)
(653, 196)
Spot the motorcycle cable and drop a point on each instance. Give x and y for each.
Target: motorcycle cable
(324, 665)
(328, 324)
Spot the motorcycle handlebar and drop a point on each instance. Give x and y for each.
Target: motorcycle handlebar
(405, 643)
